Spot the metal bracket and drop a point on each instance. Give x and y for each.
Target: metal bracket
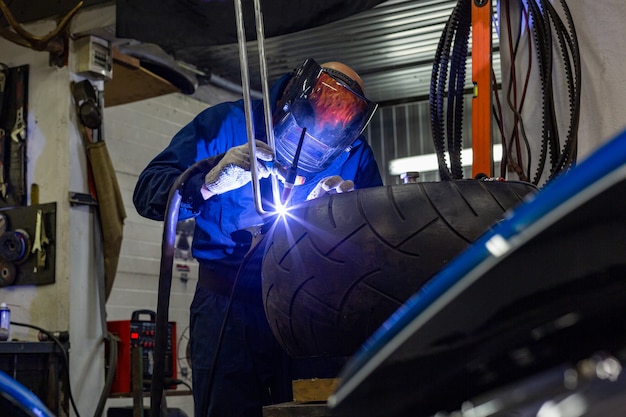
(82, 199)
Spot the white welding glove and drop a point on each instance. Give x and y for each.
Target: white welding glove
(233, 171)
(332, 184)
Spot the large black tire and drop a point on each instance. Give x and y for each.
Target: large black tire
(337, 267)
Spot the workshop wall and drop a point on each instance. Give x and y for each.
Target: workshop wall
(136, 132)
(48, 142)
(56, 163)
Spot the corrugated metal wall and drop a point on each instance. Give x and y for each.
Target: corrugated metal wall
(391, 46)
(404, 130)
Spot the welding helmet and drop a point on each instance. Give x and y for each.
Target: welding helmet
(330, 108)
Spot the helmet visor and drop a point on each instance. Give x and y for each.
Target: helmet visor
(333, 114)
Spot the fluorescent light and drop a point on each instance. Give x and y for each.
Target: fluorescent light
(426, 163)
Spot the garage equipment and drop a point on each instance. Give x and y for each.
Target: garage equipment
(139, 332)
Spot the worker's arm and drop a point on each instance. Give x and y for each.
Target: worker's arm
(199, 140)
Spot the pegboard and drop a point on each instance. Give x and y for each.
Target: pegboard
(20, 262)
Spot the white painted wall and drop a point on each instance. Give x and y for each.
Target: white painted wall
(601, 34)
(135, 133)
(56, 163)
(49, 142)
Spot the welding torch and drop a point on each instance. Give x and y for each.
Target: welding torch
(292, 171)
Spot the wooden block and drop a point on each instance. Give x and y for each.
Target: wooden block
(297, 410)
(131, 82)
(120, 58)
(316, 389)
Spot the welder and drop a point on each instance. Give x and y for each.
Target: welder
(319, 113)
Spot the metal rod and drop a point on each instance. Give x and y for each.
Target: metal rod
(247, 100)
(267, 109)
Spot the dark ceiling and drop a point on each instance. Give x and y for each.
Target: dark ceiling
(391, 45)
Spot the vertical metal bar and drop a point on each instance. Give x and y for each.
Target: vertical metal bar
(481, 74)
(267, 109)
(136, 360)
(247, 100)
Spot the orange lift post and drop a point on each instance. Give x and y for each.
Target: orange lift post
(481, 76)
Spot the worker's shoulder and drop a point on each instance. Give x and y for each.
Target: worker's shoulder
(223, 108)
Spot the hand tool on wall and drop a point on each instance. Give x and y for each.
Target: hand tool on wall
(3, 183)
(40, 242)
(17, 145)
(3, 81)
(27, 245)
(19, 126)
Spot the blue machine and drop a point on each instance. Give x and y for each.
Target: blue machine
(538, 297)
(16, 400)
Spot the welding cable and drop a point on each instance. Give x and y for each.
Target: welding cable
(112, 340)
(218, 346)
(448, 116)
(450, 66)
(552, 16)
(573, 38)
(436, 109)
(568, 40)
(157, 403)
(553, 143)
(518, 126)
(513, 143)
(169, 382)
(550, 108)
(569, 152)
(523, 99)
(438, 76)
(456, 88)
(512, 88)
(550, 131)
(539, 36)
(64, 355)
(437, 89)
(560, 157)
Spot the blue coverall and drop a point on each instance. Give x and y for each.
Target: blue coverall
(251, 370)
